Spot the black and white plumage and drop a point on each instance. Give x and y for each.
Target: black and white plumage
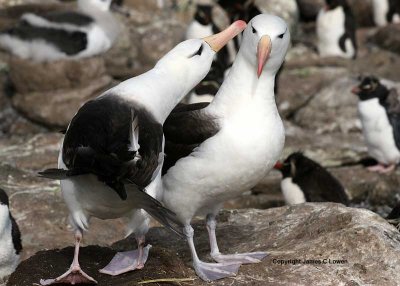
(304, 180)
(53, 36)
(10, 239)
(379, 111)
(336, 30)
(203, 25)
(112, 154)
(223, 149)
(386, 11)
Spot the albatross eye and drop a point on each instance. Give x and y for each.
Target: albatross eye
(253, 30)
(281, 36)
(198, 53)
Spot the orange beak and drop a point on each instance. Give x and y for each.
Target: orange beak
(263, 52)
(218, 41)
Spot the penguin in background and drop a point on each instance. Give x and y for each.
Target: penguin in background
(203, 25)
(10, 239)
(386, 11)
(379, 112)
(304, 180)
(336, 30)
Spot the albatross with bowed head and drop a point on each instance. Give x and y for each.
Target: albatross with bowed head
(215, 153)
(111, 157)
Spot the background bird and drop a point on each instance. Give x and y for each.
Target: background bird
(229, 145)
(304, 180)
(10, 238)
(336, 30)
(386, 11)
(111, 157)
(379, 111)
(90, 31)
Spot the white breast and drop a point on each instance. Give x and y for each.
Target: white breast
(378, 132)
(8, 258)
(225, 165)
(330, 27)
(292, 192)
(381, 8)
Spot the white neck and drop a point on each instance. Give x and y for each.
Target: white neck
(155, 91)
(243, 86)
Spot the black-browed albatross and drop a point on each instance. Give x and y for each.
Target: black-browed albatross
(59, 35)
(111, 158)
(224, 149)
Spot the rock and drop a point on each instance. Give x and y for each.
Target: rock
(309, 9)
(149, 30)
(388, 38)
(296, 87)
(28, 76)
(56, 108)
(343, 246)
(286, 9)
(339, 112)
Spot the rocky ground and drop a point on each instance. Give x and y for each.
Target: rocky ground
(320, 117)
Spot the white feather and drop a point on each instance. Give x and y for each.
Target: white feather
(380, 8)
(8, 258)
(378, 133)
(292, 192)
(330, 27)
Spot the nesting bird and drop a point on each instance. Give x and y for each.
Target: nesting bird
(336, 30)
(379, 111)
(304, 180)
(386, 11)
(10, 238)
(227, 147)
(53, 36)
(203, 25)
(111, 157)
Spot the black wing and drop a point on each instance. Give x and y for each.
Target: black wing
(68, 42)
(16, 235)
(392, 106)
(68, 17)
(319, 185)
(350, 31)
(186, 128)
(99, 141)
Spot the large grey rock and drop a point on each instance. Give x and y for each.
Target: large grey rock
(296, 87)
(343, 246)
(388, 38)
(56, 108)
(333, 108)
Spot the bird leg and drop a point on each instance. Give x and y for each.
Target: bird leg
(209, 271)
(243, 258)
(381, 168)
(74, 275)
(129, 260)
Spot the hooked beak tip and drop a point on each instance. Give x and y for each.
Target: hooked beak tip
(278, 165)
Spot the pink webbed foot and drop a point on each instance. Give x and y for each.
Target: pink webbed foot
(215, 271)
(382, 169)
(244, 258)
(126, 261)
(73, 276)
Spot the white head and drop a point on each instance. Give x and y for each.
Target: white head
(265, 43)
(102, 5)
(190, 61)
